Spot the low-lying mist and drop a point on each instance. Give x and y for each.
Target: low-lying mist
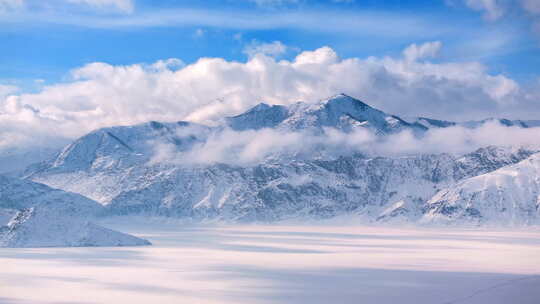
(255, 146)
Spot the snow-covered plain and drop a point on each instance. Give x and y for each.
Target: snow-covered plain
(281, 264)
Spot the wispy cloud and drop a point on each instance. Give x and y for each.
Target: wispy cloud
(274, 49)
(123, 5)
(366, 22)
(496, 10)
(11, 6)
(274, 3)
(491, 8)
(6, 5)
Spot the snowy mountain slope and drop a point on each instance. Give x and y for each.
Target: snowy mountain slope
(435, 123)
(277, 190)
(6, 214)
(14, 160)
(341, 112)
(19, 194)
(258, 117)
(113, 167)
(501, 121)
(532, 123)
(129, 143)
(509, 195)
(346, 113)
(35, 215)
(431, 123)
(45, 227)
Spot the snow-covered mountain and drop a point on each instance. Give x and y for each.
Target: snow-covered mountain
(35, 215)
(18, 194)
(509, 195)
(346, 113)
(46, 227)
(341, 112)
(113, 167)
(377, 188)
(14, 160)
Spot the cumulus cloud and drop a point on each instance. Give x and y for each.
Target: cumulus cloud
(273, 49)
(427, 50)
(253, 147)
(100, 94)
(6, 90)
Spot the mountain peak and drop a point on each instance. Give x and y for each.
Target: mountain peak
(260, 116)
(340, 111)
(340, 95)
(259, 107)
(344, 100)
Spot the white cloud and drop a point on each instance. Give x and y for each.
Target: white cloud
(167, 64)
(492, 9)
(6, 5)
(101, 94)
(495, 10)
(122, 5)
(274, 3)
(252, 147)
(126, 6)
(322, 56)
(6, 90)
(349, 22)
(426, 50)
(273, 49)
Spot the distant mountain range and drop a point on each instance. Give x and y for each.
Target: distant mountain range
(114, 167)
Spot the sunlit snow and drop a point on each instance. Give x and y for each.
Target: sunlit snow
(281, 264)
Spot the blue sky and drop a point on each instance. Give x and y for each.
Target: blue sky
(46, 41)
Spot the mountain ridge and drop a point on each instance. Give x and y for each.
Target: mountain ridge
(114, 167)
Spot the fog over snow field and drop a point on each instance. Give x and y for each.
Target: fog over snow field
(281, 264)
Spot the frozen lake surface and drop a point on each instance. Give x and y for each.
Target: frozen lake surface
(282, 264)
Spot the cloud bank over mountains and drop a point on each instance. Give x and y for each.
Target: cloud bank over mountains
(413, 84)
(251, 147)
